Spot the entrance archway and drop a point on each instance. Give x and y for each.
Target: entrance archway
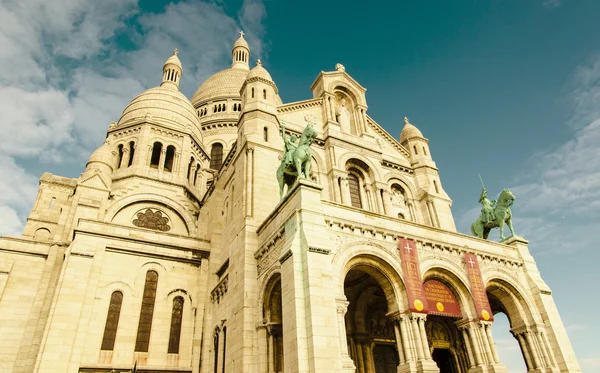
(370, 333)
(272, 315)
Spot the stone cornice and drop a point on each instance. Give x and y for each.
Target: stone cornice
(299, 105)
(383, 133)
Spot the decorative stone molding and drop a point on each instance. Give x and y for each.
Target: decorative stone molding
(220, 290)
(396, 166)
(152, 218)
(381, 132)
(165, 132)
(268, 253)
(285, 256)
(302, 105)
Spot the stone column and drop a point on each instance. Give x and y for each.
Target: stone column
(359, 357)
(176, 162)
(486, 343)
(342, 307)
(368, 354)
(531, 348)
(525, 351)
(125, 158)
(271, 353)
(346, 192)
(379, 199)
(488, 333)
(417, 338)
(469, 348)
(540, 345)
(421, 322)
(404, 324)
(161, 162)
(387, 203)
(411, 209)
(337, 196)
(476, 348)
(149, 156)
(399, 343)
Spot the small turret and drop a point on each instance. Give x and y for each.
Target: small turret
(172, 72)
(240, 54)
(101, 162)
(413, 140)
(259, 91)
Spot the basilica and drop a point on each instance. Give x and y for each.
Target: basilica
(177, 251)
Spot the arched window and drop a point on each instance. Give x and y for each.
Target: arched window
(216, 156)
(437, 190)
(224, 347)
(120, 155)
(415, 149)
(196, 173)
(266, 134)
(354, 186)
(131, 152)
(112, 321)
(190, 167)
(52, 201)
(147, 311)
(216, 348)
(176, 318)
(424, 151)
(252, 92)
(215, 109)
(156, 150)
(265, 94)
(169, 158)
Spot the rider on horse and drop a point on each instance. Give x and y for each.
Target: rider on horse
(487, 208)
(289, 146)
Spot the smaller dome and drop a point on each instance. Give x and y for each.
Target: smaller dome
(174, 60)
(102, 155)
(165, 105)
(241, 42)
(259, 72)
(409, 131)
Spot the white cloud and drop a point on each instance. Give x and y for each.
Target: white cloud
(63, 78)
(551, 4)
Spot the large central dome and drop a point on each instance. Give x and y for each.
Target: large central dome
(224, 84)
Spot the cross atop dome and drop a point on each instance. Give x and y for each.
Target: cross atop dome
(258, 62)
(241, 34)
(175, 52)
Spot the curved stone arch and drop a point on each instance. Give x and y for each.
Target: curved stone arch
(179, 292)
(266, 278)
(163, 278)
(267, 297)
(513, 300)
(378, 263)
(106, 291)
(320, 168)
(342, 85)
(164, 141)
(456, 281)
(173, 205)
(404, 181)
(344, 158)
(220, 140)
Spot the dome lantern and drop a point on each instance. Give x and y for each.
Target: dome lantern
(240, 54)
(172, 72)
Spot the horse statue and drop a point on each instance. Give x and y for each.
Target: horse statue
(494, 217)
(297, 159)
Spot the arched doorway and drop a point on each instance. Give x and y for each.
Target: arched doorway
(370, 333)
(272, 315)
(445, 340)
(530, 336)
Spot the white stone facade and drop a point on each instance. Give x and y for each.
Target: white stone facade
(174, 253)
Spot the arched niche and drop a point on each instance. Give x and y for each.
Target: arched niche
(151, 215)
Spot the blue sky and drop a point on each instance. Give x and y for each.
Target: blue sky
(507, 88)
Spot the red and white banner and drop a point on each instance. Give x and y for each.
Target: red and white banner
(441, 300)
(417, 302)
(482, 304)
